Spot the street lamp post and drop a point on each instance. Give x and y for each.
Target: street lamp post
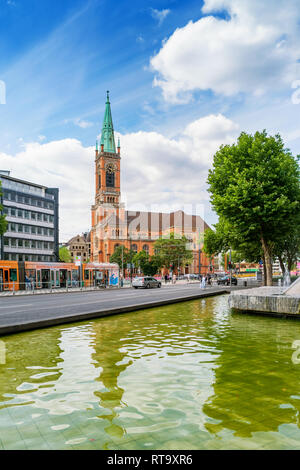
(130, 259)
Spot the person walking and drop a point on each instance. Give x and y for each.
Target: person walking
(174, 278)
(166, 278)
(27, 283)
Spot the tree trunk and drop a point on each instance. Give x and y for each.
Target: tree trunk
(265, 270)
(268, 261)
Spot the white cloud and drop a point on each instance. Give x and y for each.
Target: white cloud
(63, 164)
(155, 169)
(159, 15)
(254, 51)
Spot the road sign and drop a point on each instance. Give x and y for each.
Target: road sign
(77, 260)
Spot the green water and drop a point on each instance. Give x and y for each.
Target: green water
(189, 376)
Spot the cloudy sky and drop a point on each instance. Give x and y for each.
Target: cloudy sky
(184, 78)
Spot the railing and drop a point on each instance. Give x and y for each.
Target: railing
(32, 287)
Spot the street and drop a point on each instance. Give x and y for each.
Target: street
(19, 313)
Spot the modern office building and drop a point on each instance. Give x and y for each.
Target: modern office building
(32, 214)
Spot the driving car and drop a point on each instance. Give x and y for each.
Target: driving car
(146, 282)
(225, 280)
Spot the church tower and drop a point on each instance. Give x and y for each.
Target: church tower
(107, 163)
(107, 183)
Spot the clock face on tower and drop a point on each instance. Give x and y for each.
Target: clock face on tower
(110, 168)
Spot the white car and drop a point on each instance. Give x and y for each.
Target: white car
(146, 282)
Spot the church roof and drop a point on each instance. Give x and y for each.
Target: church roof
(157, 222)
(107, 134)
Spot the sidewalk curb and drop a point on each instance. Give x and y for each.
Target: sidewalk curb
(17, 328)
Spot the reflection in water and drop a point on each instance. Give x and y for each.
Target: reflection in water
(182, 376)
(256, 384)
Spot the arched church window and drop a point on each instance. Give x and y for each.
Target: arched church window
(134, 248)
(110, 176)
(99, 181)
(146, 248)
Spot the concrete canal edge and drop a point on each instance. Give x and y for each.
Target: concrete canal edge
(272, 301)
(78, 317)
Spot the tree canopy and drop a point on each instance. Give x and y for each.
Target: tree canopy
(122, 256)
(173, 251)
(255, 189)
(64, 255)
(148, 264)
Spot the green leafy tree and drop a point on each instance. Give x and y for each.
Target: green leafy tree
(255, 187)
(64, 255)
(287, 249)
(173, 251)
(122, 256)
(148, 265)
(3, 222)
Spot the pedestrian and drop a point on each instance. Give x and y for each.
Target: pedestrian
(27, 283)
(203, 282)
(166, 278)
(174, 278)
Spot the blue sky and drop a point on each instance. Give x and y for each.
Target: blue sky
(59, 58)
(184, 77)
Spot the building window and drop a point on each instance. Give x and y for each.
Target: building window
(99, 181)
(110, 179)
(134, 248)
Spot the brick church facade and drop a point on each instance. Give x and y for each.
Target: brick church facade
(113, 225)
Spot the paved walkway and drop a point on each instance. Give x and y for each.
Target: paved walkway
(20, 313)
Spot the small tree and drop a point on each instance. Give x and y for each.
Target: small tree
(173, 251)
(122, 256)
(149, 265)
(64, 255)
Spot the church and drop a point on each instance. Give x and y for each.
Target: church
(113, 225)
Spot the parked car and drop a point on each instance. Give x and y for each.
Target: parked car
(225, 280)
(145, 282)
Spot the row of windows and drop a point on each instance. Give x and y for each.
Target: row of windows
(20, 228)
(134, 247)
(18, 257)
(23, 243)
(31, 201)
(78, 253)
(14, 212)
(22, 187)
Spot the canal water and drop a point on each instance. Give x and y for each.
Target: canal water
(184, 376)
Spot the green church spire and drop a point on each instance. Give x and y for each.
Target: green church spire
(107, 135)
